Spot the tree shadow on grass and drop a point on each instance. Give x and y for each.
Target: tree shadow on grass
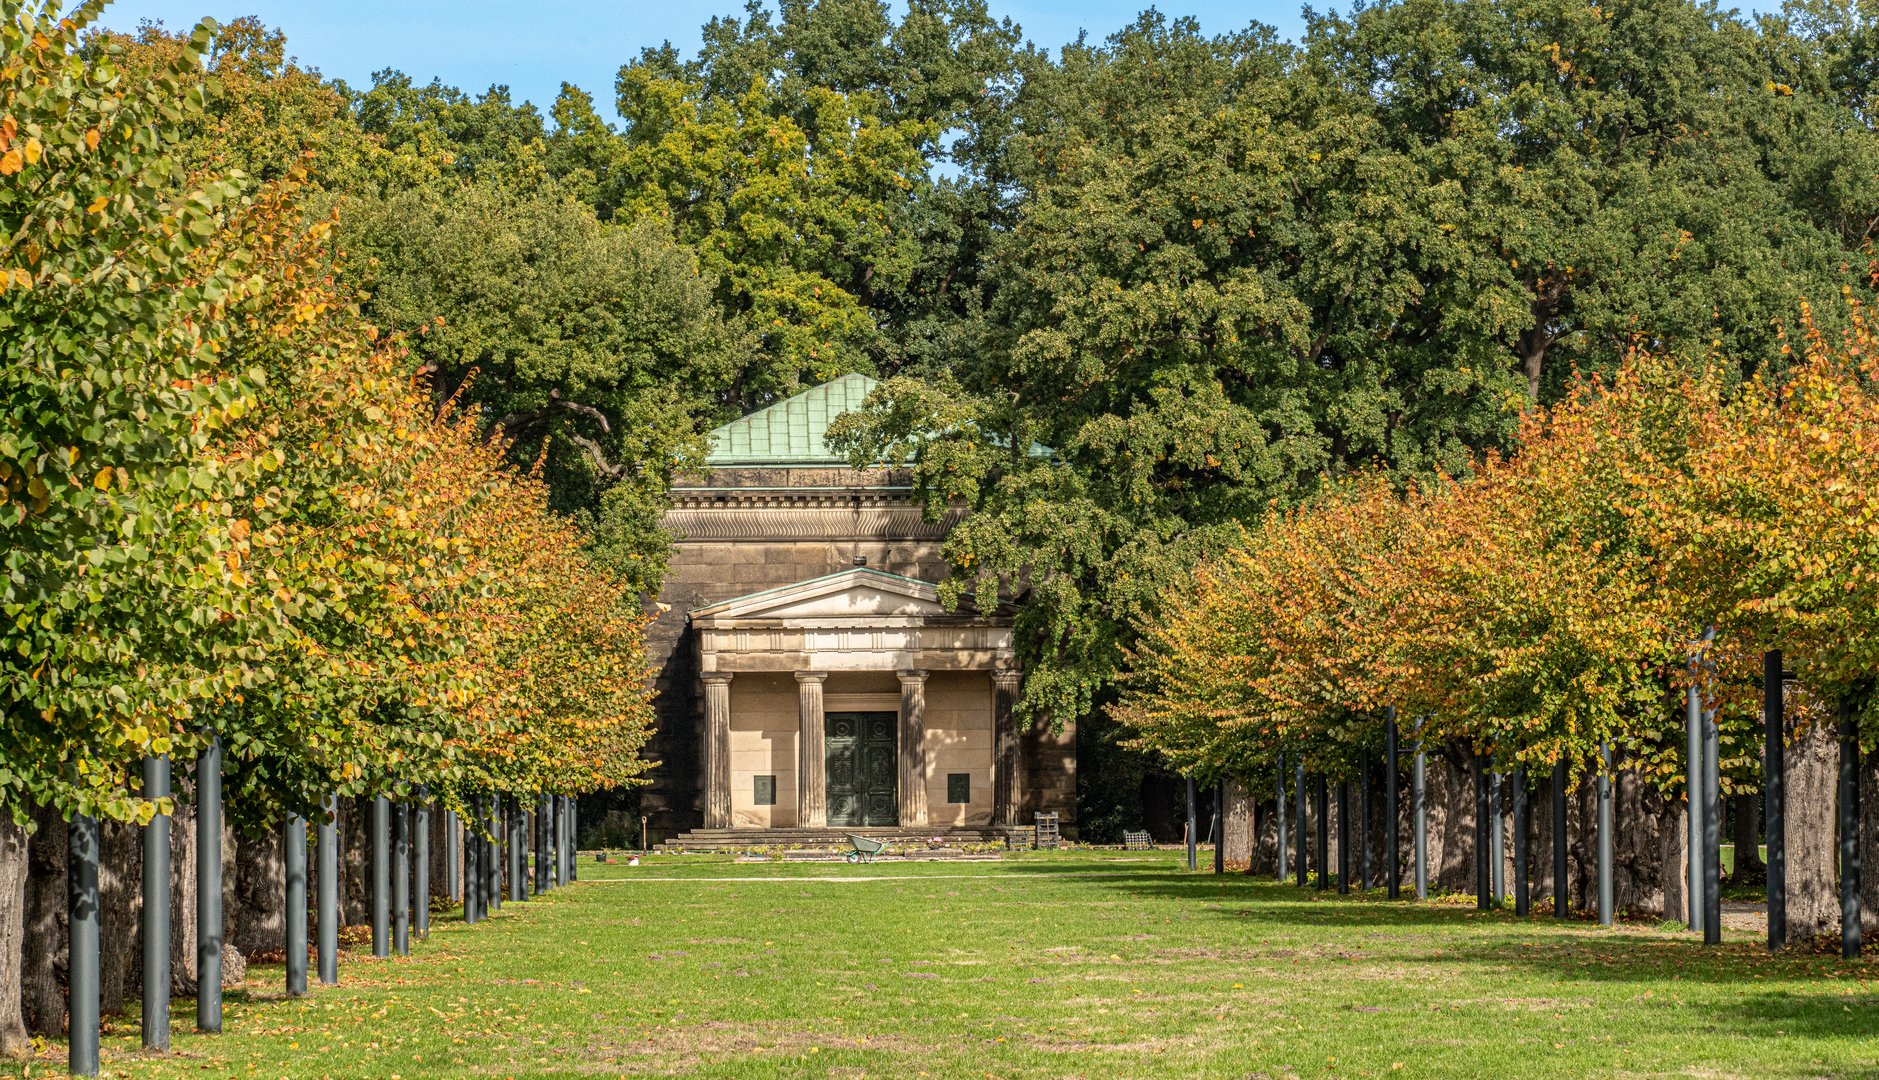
(1573, 949)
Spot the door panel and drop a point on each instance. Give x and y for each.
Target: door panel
(863, 768)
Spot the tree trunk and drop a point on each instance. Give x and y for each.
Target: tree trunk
(355, 872)
(1674, 840)
(1451, 819)
(1868, 843)
(440, 885)
(260, 907)
(1265, 838)
(42, 976)
(1812, 780)
(183, 896)
(1582, 823)
(1749, 868)
(1638, 849)
(14, 1041)
(120, 892)
(1236, 826)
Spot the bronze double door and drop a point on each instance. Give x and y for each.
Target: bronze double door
(863, 768)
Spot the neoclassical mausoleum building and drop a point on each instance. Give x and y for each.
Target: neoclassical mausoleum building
(807, 677)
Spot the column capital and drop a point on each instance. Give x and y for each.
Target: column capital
(911, 676)
(1006, 678)
(716, 678)
(811, 676)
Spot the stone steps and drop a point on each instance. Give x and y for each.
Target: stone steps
(745, 839)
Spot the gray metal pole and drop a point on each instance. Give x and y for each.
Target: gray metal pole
(1561, 897)
(1281, 824)
(453, 851)
(1712, 832)
(574, 838)
(294, 859)
(1419, 810)
(1693, 820)
(401, 879)
(1850, 938)
(1483, 844)
(1344, 836)
(1497, 845)
(1393, 857)
(421, 889)
(156, 1004)
(328, 889)
(493, 865)
(1301, 796)
(209, 887)
(1483, 847)
(1324, 832)
(81, 895)
(1219, 830)
(543, 815)
(1523, 894)
(1363, 820)
(1607, 830)
(381, 876)
(472, 868)
(518, 851)
(559, 835)
(1192, 824)
(1775, 799)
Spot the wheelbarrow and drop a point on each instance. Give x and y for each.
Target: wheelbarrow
(865, 848)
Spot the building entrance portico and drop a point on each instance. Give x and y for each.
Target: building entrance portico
(902, 711)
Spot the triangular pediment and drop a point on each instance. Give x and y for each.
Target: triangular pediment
(852, 594)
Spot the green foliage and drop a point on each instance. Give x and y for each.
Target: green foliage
(115, 512)
(597, 346)
(1235, 266)
(227, 509)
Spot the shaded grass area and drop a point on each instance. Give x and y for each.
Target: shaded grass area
(1043, 965)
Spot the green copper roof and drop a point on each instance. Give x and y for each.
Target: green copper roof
(790, 432)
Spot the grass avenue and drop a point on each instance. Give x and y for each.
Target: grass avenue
(1042, 965)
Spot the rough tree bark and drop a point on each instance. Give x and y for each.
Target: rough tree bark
(42, 975)
(1266, 838)
(183, 895)
(1812, 779)
(14, 1041)
(355, 880)
(1451, 818)
(1674, 858)
(260, 908)
(120, 892)
(440, 886)
(1582, 860)
(1637, 855)
(1236, 826)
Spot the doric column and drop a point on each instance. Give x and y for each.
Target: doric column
(913, 748)
(1005, 794)
(812, 763)
(717, 750)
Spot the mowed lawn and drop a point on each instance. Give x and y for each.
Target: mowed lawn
(1046, 965)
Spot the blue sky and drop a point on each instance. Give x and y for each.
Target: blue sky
(534, 47)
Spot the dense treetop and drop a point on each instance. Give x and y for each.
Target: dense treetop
(1207, 271)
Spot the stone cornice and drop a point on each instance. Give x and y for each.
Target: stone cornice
(804, 519)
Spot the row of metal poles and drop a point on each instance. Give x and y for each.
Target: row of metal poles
(1704, 823)
(400, 888)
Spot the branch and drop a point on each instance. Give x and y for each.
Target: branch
(607, 469)
(554, 396)
(514, 422)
